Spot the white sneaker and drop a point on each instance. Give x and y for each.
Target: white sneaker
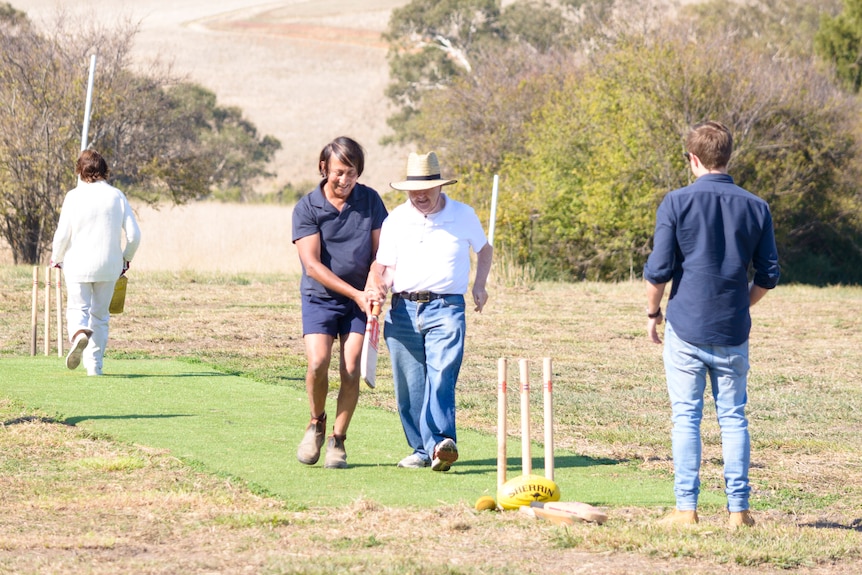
(94, 371)
(414, 461)
(73, 359)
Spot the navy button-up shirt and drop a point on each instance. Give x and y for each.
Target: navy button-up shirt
(707, 235)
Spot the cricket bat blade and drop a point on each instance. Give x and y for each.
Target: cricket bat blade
(368, 359)
(555, 517)
(580, 511)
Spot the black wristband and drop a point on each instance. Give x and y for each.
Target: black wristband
(654, 315)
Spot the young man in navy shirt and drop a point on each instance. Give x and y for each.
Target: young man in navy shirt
(707, 236)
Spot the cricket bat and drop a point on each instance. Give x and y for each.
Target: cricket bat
(555, 517)
(368, 359)
(118, 300)
(579, 511)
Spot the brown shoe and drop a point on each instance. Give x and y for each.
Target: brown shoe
(677, 517)
(739, 519)
(336, 456)
(309, 448)
(445, 454)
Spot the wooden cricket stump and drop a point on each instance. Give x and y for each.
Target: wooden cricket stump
(502, 408)
(34, 311)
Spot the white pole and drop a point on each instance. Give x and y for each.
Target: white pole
(88, 105)
(493, 222)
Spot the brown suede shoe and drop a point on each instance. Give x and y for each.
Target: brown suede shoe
(336, 456)
(309, 448)
(739, 519)
(677, 517)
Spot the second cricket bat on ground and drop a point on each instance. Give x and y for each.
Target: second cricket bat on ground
(368, 359)
(582, 511)
(555, 517)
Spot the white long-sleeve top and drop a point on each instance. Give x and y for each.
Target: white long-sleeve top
(94, 219)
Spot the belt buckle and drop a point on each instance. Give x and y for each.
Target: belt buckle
(423, 296)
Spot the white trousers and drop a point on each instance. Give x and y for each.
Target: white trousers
(87, 308)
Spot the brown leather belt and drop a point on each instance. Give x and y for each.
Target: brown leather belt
(419, 296)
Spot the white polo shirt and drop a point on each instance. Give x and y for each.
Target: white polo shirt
(430, 253)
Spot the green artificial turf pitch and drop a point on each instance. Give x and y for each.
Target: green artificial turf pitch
(229, 425)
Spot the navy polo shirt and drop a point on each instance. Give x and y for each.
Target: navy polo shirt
(707, 235)
(345, 236)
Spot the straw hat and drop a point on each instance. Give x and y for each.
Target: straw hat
(423, 172)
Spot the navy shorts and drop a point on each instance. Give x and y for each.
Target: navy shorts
(332, 317)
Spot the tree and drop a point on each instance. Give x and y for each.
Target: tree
(839, 41)
(434, 43)
(493, 105)
(540, 25)
(164, 139)
(226, 152)
(784, 28)
(430, 42)
(606, 148)
(588, 142)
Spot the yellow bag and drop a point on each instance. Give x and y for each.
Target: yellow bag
(118, 301)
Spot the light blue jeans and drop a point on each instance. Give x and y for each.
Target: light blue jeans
(426, 346)
(687, 367)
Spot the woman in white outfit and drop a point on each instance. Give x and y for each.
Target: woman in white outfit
(88, 246)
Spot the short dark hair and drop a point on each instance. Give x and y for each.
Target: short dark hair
(92, 167)
(712, 143)
(348, 152)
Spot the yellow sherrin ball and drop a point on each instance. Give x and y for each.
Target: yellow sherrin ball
(520, 491)
(486, 503)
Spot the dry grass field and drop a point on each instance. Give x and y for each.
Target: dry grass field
(214, 237)
(151, 514)
(218, 283)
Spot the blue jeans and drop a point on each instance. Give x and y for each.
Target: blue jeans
(426, 346)
(687, 367)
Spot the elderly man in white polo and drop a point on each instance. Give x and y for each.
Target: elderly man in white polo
(424, 256)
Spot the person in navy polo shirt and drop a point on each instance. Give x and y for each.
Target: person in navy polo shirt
(707, 237)
(336, 229)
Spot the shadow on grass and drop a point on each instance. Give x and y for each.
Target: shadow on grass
(514, 464)
(29, 419)
(80, 418)
(165, 375)
(855, 525)
(72, 421)
(282, 378)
